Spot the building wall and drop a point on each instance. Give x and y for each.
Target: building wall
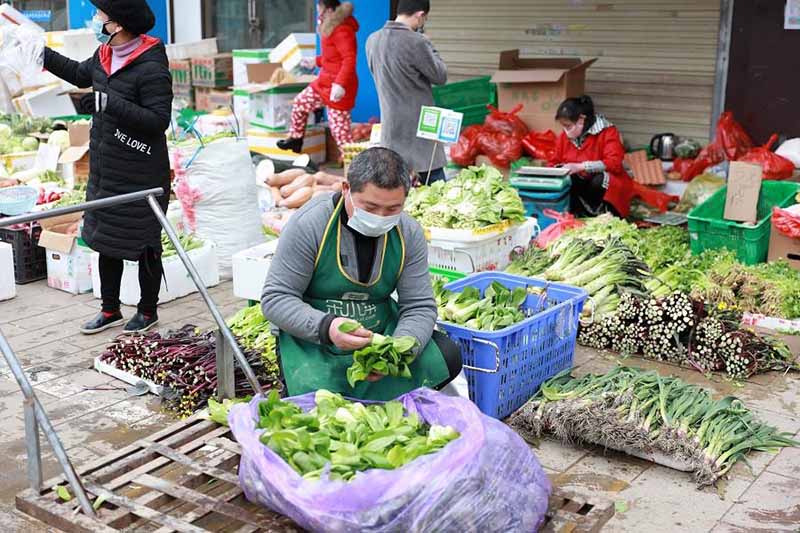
(656, 64)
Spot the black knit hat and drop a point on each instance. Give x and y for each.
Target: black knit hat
(133, 15)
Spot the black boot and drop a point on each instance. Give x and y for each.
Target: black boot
(140, 323)
(291, 144)
(102, 322)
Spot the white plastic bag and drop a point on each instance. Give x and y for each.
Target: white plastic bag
(791, 151)
(22, 51)
(217, 191)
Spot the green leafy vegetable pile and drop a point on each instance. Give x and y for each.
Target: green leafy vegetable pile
(23, 125)
(634, 410)
(499, 307)
(70, 198)
(476, 198)
(254, 334)
(344, 437)
(389, 356)
(188, 241)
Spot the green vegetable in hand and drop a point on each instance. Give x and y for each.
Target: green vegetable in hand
(346, 437)
(389, 356)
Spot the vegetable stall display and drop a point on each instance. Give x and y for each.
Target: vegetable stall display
(498, 308)
(677, 329)
(476, 198)
(183, 362)
(339, 438)
(640, 412)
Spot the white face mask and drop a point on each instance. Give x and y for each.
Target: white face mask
(370, 224)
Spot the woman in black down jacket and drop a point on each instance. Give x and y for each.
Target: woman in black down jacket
(131, 105)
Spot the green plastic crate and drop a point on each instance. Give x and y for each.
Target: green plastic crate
(475, 114)
(467, 93)
(710, 231)
(448, 275)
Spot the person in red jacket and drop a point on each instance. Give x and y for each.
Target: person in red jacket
(337, 83)
(591, 148)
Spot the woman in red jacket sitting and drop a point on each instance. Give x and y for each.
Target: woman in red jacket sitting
(591, 148)
(337, 83)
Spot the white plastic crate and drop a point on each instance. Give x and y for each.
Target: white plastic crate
(468, 251)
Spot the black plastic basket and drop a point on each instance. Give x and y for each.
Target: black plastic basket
(30, 262)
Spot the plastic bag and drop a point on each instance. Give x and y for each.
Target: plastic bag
(732, 138)
(787, 221)
(508, 123)
(540, 145)
(22, 50)
(709, 156)
(698, 191)
(501, 149)
(775, 167)
(216, 186)
(563, 222)
(791, 151)
(464, 152)
(486, 480)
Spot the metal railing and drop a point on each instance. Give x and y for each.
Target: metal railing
(35, 416)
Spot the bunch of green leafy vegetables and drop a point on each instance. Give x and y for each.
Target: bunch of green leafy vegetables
(254, 333)
(497, 309)
(344, 438)
(476, 198)
(388, 356)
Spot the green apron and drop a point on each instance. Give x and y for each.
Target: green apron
(308, 367)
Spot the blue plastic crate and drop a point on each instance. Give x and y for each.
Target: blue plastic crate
(536, 202)
(505, 368)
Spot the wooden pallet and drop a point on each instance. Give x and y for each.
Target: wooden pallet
(570, 512)
(184, 479)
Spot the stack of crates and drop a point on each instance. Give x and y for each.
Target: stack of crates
(469, 97)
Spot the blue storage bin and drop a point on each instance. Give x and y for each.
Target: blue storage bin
(536, 202)
(505, 368)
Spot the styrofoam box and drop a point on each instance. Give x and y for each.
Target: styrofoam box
(176, 282)
(242, 58)
(271, 108)
(70, 272)
(250, 268)
(467, 252)
(8, 288)
(293, 49)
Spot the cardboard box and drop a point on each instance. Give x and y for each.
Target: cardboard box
(242, 58)
(293, 49)
(266, 142)
(206, 47)
(250, 268)
(744, 189)
(175, 283)
(183, 97)
(212, 71)
(68, 262)
(8, 289)
(783, 247)
(269, 105)
(74, 160)
(209, 100)
(181, 71)
(540, 85)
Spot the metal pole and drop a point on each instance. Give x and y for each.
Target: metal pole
(86, 206)
(723, 60)
(201, 287)
(47, 428)
(226, 384)
(33, 446)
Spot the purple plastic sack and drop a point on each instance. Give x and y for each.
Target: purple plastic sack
(486, 480)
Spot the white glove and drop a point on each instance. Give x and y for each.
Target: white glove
(337, 92)
(309, 63)
(22, 50)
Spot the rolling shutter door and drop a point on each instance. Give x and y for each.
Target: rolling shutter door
(656, 59)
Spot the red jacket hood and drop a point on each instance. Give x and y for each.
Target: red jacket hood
(106, 52)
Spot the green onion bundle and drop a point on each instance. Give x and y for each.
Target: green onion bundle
(633, 410)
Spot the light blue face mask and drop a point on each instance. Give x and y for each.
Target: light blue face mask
(99, 27)
(370, 224)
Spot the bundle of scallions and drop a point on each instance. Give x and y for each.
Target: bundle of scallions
(601, 268)
(630, 409)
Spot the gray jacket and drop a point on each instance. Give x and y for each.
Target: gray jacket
(405, 65)
(293, 266)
